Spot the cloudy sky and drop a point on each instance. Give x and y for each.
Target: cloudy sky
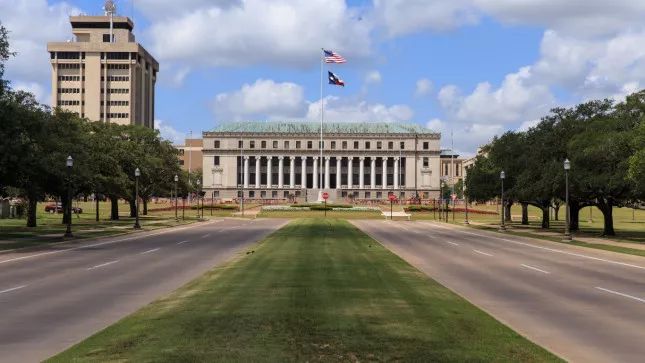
(471, 67)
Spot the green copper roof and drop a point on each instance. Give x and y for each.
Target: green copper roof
(305, 127)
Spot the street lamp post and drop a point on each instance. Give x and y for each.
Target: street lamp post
(567, 231)
(502, 176)
(69, 163)
(198, 184)
(176, 180)
(466, 200)
(137, 174)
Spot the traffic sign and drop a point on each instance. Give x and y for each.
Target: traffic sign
(453, 196)
(392, 197)
(325, 195)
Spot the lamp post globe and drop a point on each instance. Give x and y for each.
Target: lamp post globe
(137, 174)
(567, 227)
(502, 227)
(69, 163)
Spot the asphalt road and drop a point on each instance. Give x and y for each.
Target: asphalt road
(582, 304)
(56, 297)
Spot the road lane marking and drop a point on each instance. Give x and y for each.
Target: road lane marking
(452, 243)
(535, 268)
(547, 248)
(150, 251)
(206, 235)
(621, 294)
(107, 242)
(182, 242)
(103, 265)
(483, 253)
(13, 289)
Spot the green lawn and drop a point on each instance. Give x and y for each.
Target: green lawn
(316, 290)
(15, 234)
(331, 214)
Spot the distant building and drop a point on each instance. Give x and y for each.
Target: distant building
(190, 154)
(452, 167)
(281, 160)
(103, 74)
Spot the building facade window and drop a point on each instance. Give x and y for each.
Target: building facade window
(310, 144)
(367, 145)
(402, 145)
(216, 145)
(286, 144)
(333, 145)
(445, 168)
(426, 162)
(298, 144)
(426, 145)
(264, 144)
(355, 145)
(240, 144)
(344, 145)
(216, 160)
(379, 145)
(252, 144)
(275, 144)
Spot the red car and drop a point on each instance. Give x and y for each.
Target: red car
(58, 208)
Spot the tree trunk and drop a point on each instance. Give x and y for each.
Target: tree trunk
(574, 215)
(545, 217)
(133, 207)
(525, 214)
(145, 206)
(114, 208)
(556, 212)
(31, 212)
(507, 212)
(607, 213)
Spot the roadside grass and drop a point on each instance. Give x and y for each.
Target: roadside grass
(331, 214)
(14, 233)
(316, 290)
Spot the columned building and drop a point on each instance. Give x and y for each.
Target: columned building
(282, 160)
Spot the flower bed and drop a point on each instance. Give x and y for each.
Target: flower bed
(318, 207)
(273, 208)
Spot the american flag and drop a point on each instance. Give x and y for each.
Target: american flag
(333, 57)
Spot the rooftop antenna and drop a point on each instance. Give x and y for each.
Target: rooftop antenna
(110, 10)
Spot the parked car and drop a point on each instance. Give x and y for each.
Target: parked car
(58, 208)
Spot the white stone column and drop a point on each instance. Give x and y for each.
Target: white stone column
(269, 174)
(327, 174)
(373, 173)
(280, 172)
(246, 171)
(350, 173)
(315, 172)
(396, 173)
(303, 174)
(338, 172)
(257, 171)
(384, 181)
(292, 172)
(361, 171)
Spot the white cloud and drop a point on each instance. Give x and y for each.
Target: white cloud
(345, 110)
(526, 125)
(170, 133)
(400, 17)
(262, 99)
(283, 33)
(423, 87)
(34, 88)
(373, 77)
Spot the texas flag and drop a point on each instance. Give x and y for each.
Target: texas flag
(335, 80)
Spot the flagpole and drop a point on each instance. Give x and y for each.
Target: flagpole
(320, 145)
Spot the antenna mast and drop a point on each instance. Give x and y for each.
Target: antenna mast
(110, 10)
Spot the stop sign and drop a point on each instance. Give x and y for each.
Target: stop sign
(392, 197)
(453, 196)
(325, 195)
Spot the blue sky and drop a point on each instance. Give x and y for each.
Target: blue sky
(472, 67)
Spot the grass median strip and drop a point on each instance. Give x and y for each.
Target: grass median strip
(316, 290)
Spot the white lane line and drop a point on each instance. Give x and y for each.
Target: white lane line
(182, 242)
(548, 249)
(621, 294)
(206, 235)
(535, 269)
(150, 251)
(13, 289)
(103, 265)
(106, 243)
(483, 253)
(452, 243)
